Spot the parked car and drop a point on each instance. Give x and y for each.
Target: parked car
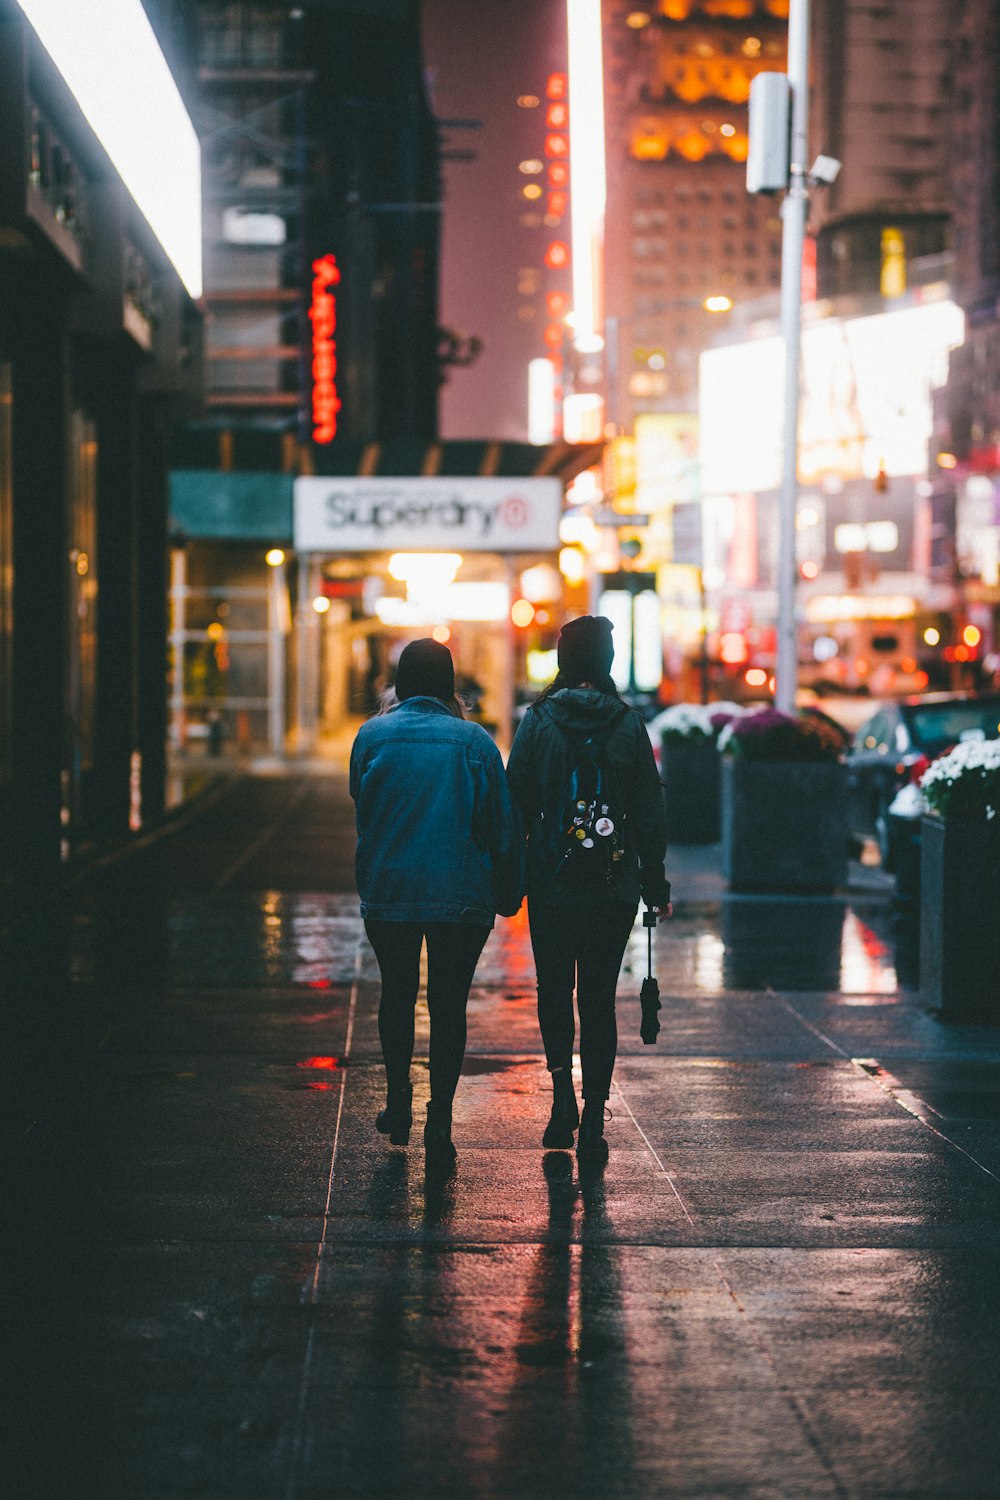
(896, 743)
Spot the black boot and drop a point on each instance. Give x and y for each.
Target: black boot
(397, 1117)
(565, 1116)
(591, 1146)
(438, 1145)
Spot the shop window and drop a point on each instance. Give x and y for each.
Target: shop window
(82, 565)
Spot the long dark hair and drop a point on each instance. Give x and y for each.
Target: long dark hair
(388, 701)
(603, 682)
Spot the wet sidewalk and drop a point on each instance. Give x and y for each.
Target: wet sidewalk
(227, 1284)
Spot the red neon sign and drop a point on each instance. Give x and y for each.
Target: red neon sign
(323, 316)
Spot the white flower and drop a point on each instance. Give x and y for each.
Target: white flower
(965, 780)
(969, 756)
(688, 721)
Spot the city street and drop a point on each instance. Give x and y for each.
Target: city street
(228, 1285)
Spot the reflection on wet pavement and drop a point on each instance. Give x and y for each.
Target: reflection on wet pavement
(777, 1287)
(311, 940)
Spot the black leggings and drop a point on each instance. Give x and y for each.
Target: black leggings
(453, 950)
(582, 946)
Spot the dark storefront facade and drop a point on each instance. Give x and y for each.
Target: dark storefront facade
(99, 352)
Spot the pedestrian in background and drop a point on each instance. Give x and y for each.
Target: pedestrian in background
(579, 939)
(439, 854)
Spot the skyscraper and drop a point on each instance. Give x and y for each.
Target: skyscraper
(881, 101)
(681, 228)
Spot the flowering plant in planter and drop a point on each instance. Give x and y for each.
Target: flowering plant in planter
(965, 782)
(773, 736)
(694, 723)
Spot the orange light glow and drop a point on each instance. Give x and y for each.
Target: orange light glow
(920, 680)
(557, 255)
(557, 86)
(556, 304)
(962, 653)
(861, 667)
(557, 117)
(558, 174)
(319, 1062)
(556, 204)
(441, 634)
(908, 664)
(522, 613)
(732, 648)
(556, 144)
(972, 635)
(810, 570)
(756, 677)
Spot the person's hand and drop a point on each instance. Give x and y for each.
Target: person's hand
(663, 913)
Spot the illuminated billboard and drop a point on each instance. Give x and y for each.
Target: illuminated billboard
(111, 62)
(865, 405)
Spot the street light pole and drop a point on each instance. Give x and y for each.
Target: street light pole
(794, 210)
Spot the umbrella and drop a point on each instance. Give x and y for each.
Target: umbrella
(649, 995)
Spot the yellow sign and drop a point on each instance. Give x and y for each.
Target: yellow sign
(892, 282)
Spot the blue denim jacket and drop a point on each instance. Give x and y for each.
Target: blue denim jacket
(438, 837)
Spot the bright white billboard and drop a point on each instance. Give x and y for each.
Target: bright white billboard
(865, 405)
(389, 515)
(111, 62)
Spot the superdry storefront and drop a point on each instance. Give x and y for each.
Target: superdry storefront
(294, 594)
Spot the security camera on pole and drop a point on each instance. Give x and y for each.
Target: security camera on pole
(779, 119)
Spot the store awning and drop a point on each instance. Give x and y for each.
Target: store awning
(237, 486)
(251, 450)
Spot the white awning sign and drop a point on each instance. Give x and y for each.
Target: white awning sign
(389, 515)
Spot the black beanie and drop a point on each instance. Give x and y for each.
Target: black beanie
(585, 649)
(425, 670)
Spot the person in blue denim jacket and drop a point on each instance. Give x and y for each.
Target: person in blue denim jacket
(439, 854)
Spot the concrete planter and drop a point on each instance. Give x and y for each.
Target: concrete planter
(784, 824)
(960, 918)
(692, 796)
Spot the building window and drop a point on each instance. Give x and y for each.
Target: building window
(54, 173)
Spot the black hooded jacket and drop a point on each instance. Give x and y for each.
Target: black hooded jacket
(539, 769)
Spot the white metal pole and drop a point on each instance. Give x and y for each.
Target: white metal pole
(302, 625)
(793, 212)
(276, 660)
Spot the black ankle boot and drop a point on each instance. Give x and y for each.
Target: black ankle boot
(565, 1116)
(591, 1145)
(438, 1143)
(397, 1117)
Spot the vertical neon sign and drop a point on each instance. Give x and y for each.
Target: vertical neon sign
(323, 315)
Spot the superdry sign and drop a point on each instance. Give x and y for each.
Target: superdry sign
(395, 515)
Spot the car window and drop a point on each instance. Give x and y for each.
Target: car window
(876, 734)
(937, 725)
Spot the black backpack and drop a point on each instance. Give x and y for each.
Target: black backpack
(588, 836)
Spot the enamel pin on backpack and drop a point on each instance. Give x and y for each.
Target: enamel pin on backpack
(590, 831)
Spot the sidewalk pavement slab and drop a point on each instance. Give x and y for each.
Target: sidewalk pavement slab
(226, 1284)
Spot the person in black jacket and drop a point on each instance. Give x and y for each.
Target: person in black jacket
(580, 938)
